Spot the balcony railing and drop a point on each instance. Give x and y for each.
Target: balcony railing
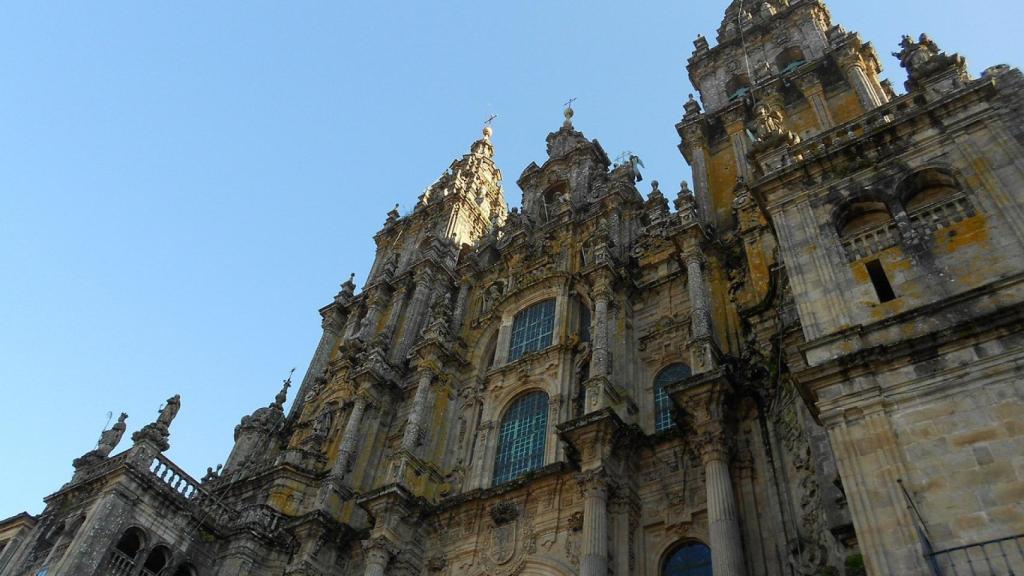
(1002, 557)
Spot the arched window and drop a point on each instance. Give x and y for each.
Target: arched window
(532, 329)
(521, 437)
(691, 559)
(662, 403)
(927, 188)
(862, 216)
(737, 87)
(790, 59)
(156, 561)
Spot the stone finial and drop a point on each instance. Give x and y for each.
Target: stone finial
(686, 204)
(692, 107)
(488, 132)
(568, 113)
(282, 396)
(348, 288)
(700, 44)
(393, 216)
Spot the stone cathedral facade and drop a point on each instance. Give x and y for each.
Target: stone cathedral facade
(810, 364)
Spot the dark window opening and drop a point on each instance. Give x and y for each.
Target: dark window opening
(883, 288)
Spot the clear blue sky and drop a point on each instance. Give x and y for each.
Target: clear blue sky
(183, 184)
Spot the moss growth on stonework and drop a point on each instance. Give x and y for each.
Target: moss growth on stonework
(855, 565)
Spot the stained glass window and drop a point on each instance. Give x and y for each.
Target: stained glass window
(662, 403)
(521, 437)
(692, 559)
(532, 329)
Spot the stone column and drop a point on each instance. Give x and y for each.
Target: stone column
(348, 440)
(460, 307)
(396, 310)
(853, 68)
(418, 412)
(333, 325)
(810, 86)
(695, 142)
(602, 294)
(351, 329)
(594, 545)
(378, 554)
(375, 307)
(417, 306)
(704, 403)
(723, 519)
(735, 127)
(698, 296)
(348, 445)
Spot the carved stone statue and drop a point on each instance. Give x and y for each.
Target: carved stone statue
(169, 411)
(109, 439)
(322, 424)
(924, 59)
(770, 129)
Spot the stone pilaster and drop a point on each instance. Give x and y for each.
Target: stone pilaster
(396, 310)
(345, 451)
(735, 127)
(814, 92)
(703, 399)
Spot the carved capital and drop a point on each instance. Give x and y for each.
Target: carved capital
(595, 483)
(712, 444)
(808, 83)
(379, 551)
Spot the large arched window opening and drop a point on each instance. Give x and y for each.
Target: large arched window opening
(859, 217)
(790, 59)
(690, 559)
(126, 551)
(662, 403)
(521, 437)
(156, 561)
(532, 329)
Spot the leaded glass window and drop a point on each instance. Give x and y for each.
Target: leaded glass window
(521, 437)
(692, 559)
(532, 329)
(662, 403)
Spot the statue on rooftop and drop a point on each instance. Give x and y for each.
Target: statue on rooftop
(924, 59)
(109, 439)
(169, 411)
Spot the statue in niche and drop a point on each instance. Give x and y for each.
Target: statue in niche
(322, 424)
(770, 129)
